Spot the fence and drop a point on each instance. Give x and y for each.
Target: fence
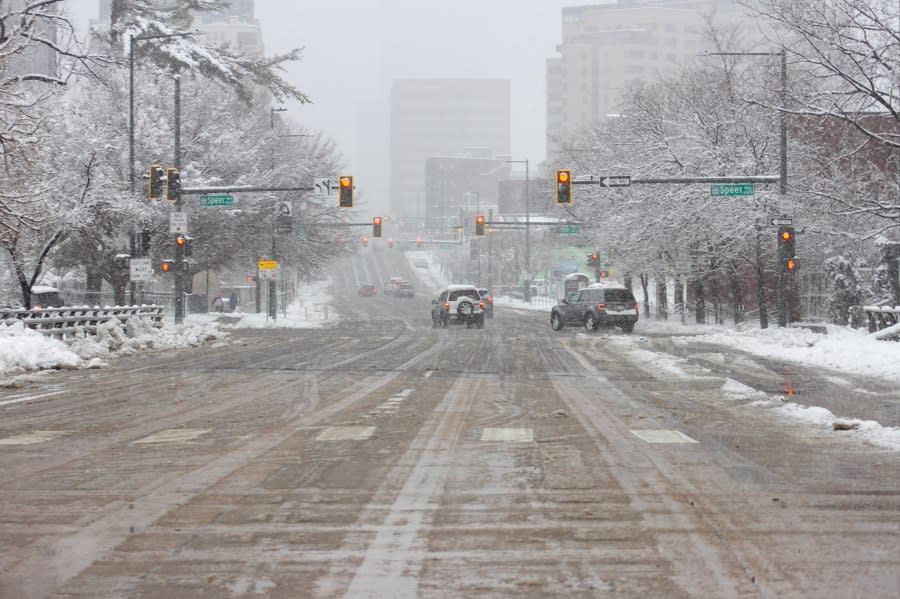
(877, 318)
(65, 323)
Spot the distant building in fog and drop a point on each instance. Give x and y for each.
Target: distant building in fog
(235, 27)
(440, 118)
(605, 46)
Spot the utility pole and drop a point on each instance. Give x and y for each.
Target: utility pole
(181, 266)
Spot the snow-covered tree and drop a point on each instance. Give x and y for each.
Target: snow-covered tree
(843, 289)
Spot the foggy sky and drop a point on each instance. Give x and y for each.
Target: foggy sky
(355, 48)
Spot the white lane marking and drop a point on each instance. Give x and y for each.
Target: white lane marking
(662, 436)
(404, 393)
(174, 435)
(30, 398)
(428, 373)
(32, 437)
(396, 400)
(515, 435)
(346, 433)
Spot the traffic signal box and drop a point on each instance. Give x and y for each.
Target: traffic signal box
(345, 191)
(479, 225)
(155, 182)
(786, 258)
(593, 259)
(563, 186)
(376, 226)
(173, 184)
(167, 266)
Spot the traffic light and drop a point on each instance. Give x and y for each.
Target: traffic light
(167, 266)
(390, 243)
(603, 274)
(376, 226)
(155, 185)
(365, 241)
(786, 258)
(183, 244)
(563, 186)
(145, 241)
(479, 225)
(593, 259)
(419, 243)
(473, 249)
(173, 184)
(345, 191)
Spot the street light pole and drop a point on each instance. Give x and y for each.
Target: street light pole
(527, 293)
(131, 40)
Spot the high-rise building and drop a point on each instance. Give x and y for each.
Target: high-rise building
(605, 46)
(236, 27)
(442, 118)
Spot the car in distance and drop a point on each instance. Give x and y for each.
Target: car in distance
(595, 307)
(404, 289)
(391, 285)
(488, 300)
(458, 304)
(367, 290)
(420, 263)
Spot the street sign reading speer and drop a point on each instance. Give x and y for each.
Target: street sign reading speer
(221, 199)
(731, 189)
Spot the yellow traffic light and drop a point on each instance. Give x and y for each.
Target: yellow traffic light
(376, 226)
(563, 186)
(345, 191)
(479, 225)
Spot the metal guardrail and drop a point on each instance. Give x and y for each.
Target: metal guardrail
(64, 323)
(879, 318)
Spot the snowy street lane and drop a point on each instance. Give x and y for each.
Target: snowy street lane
(381, 457)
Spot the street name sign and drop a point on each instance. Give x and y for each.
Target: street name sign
(782, 222)
(178, 223)
(568, 230)
(219, 199)
(615, 181)
(731, 189)
(141, 270)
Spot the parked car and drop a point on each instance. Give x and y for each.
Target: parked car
(594, 307)
(488, 300)
(368, 289)
(458, 304)
(43, 296)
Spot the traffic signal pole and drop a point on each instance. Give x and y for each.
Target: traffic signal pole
(180, 265)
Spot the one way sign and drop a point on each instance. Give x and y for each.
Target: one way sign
(615, 181)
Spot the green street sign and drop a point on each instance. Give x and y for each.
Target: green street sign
(300, 232)
(568, 230)
(224, 199)
(447, 246)
(731, 189)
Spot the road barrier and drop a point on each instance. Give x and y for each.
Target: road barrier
(881, 318)
(64, 323)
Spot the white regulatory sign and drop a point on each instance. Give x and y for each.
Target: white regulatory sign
(178, 222)
(321, 187)
(141, 270)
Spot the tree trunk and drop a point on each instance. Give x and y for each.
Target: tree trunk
(716, 292)
(760, 282)
(737, 294)
(644, 281)
(700, 303)
(679, 297)
(662, 299)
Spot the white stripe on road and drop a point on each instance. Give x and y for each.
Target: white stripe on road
(346, 433)
(30, 398)
(514, 435)
(32, 437)
(174, 435)
(662, 436)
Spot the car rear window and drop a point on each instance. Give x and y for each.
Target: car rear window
(619, 296)
(471, 293)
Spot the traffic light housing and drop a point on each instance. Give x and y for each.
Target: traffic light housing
(155, 182)
(183, 245)
(786, 257)
(563, 186)
(376, 226)
(145, 241)
(167, 266)
(479, 225)
(593, 259)
(345, 191)
(173, 184)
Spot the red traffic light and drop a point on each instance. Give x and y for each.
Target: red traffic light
(167, 265)
(791, 264)
(787, 234)
(180, 240)
(376, 220)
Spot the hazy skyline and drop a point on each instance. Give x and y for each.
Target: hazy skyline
(353, 50)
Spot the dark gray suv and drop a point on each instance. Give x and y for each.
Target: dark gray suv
(594, 307)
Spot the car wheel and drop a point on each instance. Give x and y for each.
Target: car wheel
(627, 326)
(465, 308)
(556, 322)
(590, 325)
(444, 321)
(480, 322)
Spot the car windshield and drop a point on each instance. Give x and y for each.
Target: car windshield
(461, 293)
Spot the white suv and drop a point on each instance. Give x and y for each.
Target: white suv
(458, 304)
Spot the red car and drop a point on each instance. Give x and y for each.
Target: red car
(368, 289)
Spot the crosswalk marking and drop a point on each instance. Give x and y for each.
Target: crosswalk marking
(174, 435)
(662, 436)
(346, 433)
(32, 437)
(514, 435)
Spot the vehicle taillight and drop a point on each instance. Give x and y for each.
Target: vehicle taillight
(490, 300)
(601, 307)
(635, 307)
(447, 307)
(481, 305)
